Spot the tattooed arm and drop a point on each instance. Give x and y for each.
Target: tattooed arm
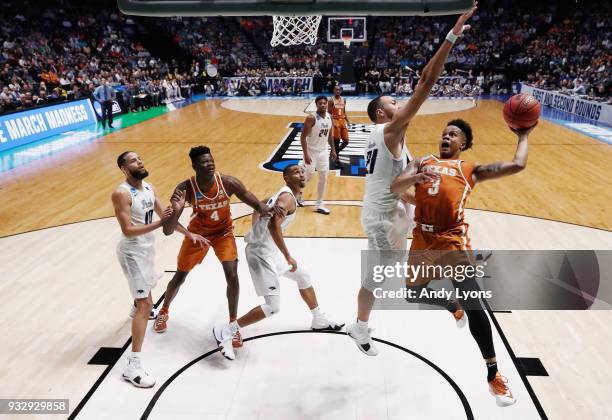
(501, 169)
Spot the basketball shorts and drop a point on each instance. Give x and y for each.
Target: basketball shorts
(449, 247)
(319, 162)
(387, 239)
(138, 264)
(267, 267)
(340, 128)
(224, 245)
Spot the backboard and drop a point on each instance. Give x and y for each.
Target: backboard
(292, 7)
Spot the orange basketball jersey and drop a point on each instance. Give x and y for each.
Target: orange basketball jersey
(338, 108)
(211, 210)
(441, 203)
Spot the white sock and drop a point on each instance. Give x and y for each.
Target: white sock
(321, 187)
(234, 327)
(316, 312)
(362, 324)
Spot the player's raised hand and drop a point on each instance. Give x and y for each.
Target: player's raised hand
(177, 201)
(292, 262)
(197, 239)
(523, 131)
(166, 214)
(424, 177)
(460, 26)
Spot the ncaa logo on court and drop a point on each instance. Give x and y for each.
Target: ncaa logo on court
(352, 162)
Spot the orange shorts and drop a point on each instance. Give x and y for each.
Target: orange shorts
(340, 130)
(431, 249)
(192, 254)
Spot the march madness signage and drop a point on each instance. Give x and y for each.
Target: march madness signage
(352, 162)
(595, 111)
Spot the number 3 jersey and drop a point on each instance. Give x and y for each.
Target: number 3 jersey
(381, 170)
(142, 209)
(211, 209)
(441, 203)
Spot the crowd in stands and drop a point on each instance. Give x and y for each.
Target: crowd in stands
(58, 50)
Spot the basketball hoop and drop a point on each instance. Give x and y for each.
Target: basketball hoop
(346, 39)
(295, 30)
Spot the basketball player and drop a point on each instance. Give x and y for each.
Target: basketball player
(337, 109)
(440, 225)
(316, 135)
(386, 218)
(209, 193)
(134, 202)
(269, 259)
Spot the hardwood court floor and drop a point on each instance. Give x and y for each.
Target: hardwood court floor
(62, 304)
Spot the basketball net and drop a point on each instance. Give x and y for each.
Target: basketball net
(346, 39)
(295, 30)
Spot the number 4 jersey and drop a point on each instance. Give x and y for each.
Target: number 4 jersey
(211, 209)
(381, 170)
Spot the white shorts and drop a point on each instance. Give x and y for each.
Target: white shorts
(137, 263)
(319, 161)
(267, 267)
(387, 238)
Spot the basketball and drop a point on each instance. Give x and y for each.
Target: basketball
(521, 111)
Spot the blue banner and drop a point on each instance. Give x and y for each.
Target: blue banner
(25, 127)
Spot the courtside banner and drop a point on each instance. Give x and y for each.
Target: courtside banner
(272, 82)
(25, 127)
(596, 111)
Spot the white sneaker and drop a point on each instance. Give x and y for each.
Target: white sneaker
(152, 315)
(135, 374)
(223, 336)
(322, 323)
(322, 209)
(362, 337)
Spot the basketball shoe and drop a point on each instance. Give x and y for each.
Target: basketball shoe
(223, 336)
(362, 338)
(136, 375)
(161, 325)
(322, 323)
(498, 387)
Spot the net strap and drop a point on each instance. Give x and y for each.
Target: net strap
(295, 30)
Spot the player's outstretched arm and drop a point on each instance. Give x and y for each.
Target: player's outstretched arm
(122, 203)
(235, 186)
(501, 169)
(411, 176)
(287, 204)
(395, 129)
(306, 129)
(177, 202)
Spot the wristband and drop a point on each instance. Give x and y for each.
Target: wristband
(451, 37)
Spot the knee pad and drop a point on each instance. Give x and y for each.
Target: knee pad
(272, 305)
(302, 279)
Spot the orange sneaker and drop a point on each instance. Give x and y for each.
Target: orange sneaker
(498, 387)
(237, 340)
(160, 324)
(460, 318)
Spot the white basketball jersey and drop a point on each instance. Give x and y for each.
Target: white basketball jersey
(317, 140)
(381, 170)
(143, 207)
(260, 234)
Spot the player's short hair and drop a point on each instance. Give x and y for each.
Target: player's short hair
(198, 151)
(121, 158)
(467, 131)
(287, 168)
(374, 105)
(318, 98)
